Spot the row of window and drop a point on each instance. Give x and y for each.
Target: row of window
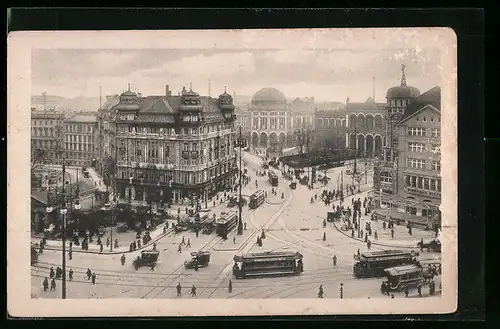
(80, 147)
(179, 177)
(431, 119)
(169, 131)
(79, 128)
(44, 122)
(422, 132)
(272, 113)
(397, 102)
(423, 183)
(79, 139)
(421, 147)
(79, 155)
(43, 144)
(271, 123)
(368, 123)
(421, 164)
(44, 132)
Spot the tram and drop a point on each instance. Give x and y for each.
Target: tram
(373, 264)
(257, 199)
(267, 264)
(226, 224)
(400, 277)
(273, 178)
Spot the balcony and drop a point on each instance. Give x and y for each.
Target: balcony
(422, 192)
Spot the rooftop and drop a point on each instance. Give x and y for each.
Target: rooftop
(431, 97)
(83, 118)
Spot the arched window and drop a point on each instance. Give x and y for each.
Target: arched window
(385, 177)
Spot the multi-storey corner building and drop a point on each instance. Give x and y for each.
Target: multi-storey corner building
(47, 133)
(407, 179)
(173, 147)
(80, 139)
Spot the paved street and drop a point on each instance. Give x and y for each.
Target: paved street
(291, 223)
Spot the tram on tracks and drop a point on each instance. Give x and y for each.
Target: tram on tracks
(273, 178)
(226, 223)
(373, 264)
(257, 199)
(267, 264)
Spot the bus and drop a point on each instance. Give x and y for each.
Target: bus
(257, 199)
(273, 178)
(226, 224)
(400, 277)
(373, 264)
(267, 264)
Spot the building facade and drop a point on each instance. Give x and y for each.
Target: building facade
(273, 121)
(407, 178)
(47, 134)
(366, 126)
(330, 126)
(173, 147)
(80, 137)
(106, 134)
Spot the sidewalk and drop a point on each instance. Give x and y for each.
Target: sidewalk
(96, 178)
(94, 248)
(401, 237)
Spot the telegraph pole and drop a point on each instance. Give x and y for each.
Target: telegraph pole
(240, 220)
(63, 212)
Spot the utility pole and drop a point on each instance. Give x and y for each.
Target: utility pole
(63, 212)
(240, 220)
(355, 152)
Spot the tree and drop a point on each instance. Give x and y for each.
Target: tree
(303, 137)
(362, 170)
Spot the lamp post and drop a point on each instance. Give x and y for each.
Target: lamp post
(64, 211)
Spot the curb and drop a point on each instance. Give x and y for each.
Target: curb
(373, 243)
(239, 247)
(116, 252)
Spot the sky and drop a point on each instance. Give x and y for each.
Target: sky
(325, 74)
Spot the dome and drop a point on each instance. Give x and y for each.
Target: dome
(129, 93)
(269, 95)
(403, 92)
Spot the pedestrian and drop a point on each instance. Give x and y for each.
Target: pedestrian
(89, 274)
(188, 243)
(392, 233)
(107, 242)
(392, 296)
(197, 232)
(179, 289)
(320, 292)
(101, 247)
(334, 260)
(51, 272)
(352, 233)
(421, 244)
(230, 286)
(245, 226)
(369, 244)
(359, 253)
(153, 265)
(324, 236)
(116, 243)
(375, 234)
(45, 284)
(234, 239)
(93, 278)
(193, 291)
(122, 259)
(70, 254)
(53, 284)
(183, 241)
(99, 240)
(432, 287)
(406, 291)
(179, 250)
(71, 274)
(419, 290)
(139, 243)
(366, 237)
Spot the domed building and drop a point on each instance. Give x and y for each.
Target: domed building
(272, 119)
(269, 119)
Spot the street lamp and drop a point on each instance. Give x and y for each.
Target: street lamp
(240, 220)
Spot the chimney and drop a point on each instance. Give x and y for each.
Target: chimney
(168, 92)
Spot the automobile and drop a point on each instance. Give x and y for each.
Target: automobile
(147, 258)
(202, 258)
(181, 227)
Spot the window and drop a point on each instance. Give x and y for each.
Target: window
(426, 184)
(413, 181)
(416, 132)
(186, 147)
(420, 182)
(416, 147)
(138, 152)
(432, 119)
(436, 132)
(425, 119)
(411, 210)
(433, 184)
(416, 163)
(439, 185)
(385, 177)
(130, 117)
(166, 151)
(436, 148)
(436, 165)
(407, 180)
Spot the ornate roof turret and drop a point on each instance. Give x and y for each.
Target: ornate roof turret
(128, 100)
(190, 101)
(226, 101)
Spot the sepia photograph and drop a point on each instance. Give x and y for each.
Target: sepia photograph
(312, 171)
